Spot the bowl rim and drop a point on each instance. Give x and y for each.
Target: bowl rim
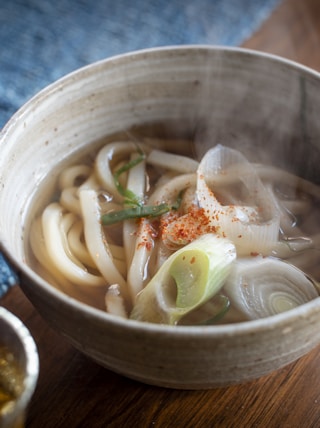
(89, 68)
(22, 269)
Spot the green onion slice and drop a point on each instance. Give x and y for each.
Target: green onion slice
(134, 212)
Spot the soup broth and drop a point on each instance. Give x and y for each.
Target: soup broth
(118, 225)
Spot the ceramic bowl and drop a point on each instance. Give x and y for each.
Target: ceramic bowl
(264, 105)
(19, 368)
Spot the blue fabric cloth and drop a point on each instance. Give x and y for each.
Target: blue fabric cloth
(42, 40)
(7, 277)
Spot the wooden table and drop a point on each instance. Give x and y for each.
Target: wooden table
(74, 392)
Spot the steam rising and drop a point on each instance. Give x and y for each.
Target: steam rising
(270, 119)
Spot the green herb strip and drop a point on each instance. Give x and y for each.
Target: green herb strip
(134, 212)
(225, 306)
(130, 197)
(136, 209)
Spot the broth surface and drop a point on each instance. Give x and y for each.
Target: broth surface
(300, 209)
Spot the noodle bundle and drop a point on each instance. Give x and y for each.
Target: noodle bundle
(157, 236)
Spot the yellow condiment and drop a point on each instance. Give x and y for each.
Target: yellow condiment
(11, 380)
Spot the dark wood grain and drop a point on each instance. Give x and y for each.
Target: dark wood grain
(74, 392)
(293, 31)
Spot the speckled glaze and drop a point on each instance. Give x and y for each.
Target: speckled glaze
(266, 106)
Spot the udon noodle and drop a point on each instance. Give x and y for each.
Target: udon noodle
(157, 236)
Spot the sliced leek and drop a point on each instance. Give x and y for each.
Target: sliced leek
(260, 287)
(238, 205)
(186, 280)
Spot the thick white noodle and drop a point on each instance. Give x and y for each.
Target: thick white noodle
(181, 164)
(69, 177)
(114, 302)
(69, 199)
(138, 270)
(298, 206)
(92, 182)
(287, 219)
(291, 247)
(170, 190)
(189, 199)
(77, 244)
(136, 182)
(59, 252)
(96, 242)
(274, 174)
(164, 179)
(67, 220)
(162, 254)
(107, 157)
(308, 257)
(48, 271)
(40, 252)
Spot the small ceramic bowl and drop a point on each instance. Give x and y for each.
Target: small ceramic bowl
(257, 102)
(19, 368)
